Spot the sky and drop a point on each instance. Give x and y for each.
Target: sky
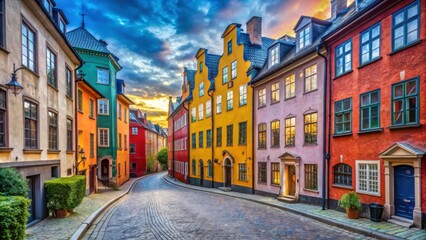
(156, 39)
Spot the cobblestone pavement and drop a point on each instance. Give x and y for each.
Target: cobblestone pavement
(64, 228)
(157, 210)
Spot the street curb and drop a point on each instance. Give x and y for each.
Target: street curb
(86, 224)
(352, 228)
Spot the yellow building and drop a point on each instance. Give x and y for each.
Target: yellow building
(231, 110)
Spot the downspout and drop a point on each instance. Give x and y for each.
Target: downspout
(76, 117)
(252, 140)
(187, 139)
(326, 155)
(173, 146)
(212, 138)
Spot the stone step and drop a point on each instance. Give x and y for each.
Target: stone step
(225, 189)
(287, 199)
(401, 221)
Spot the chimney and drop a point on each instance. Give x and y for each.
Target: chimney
(254, 29)
(337, 6)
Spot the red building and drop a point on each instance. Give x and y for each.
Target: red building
(377, 66)
(178, 140)
(137, 143)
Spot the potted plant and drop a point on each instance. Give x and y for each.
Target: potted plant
(351, 202)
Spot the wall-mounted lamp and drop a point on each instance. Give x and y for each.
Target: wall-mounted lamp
(13, 84)
(82, 156)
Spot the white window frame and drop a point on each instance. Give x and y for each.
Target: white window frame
(303, 41)
(243, 95)
(201, 111)
(229, 99)
(194, 114)
(357, 163)
(208, 108)
(201, 89)
(107, 106)
(97, 75)
(225, 75)
(219, 104)
(234, 69)
(99, 137)
(135, 132)
(274, 55)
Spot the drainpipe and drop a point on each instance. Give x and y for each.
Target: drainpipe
(326, 155)
(212, 138)
(76, 117)
(173, 146)
(187, 139)
(252, 140)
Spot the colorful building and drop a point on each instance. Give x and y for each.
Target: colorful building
(137, 143)
(289, 116)
(87, 112)
(378, 75)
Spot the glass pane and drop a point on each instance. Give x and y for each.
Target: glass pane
(375, 31)
(347, 104)
(411, 88)
(374, 122)
(399, 42)
(398, 90)
(365, 123)
(348, 47)
(365, 100)
(365, 37)
(399, 32)
(399, 18)
(374, 97)
(412, 110)
(365, 49)
(412, 11)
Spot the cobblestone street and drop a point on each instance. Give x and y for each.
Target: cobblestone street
(156, 210)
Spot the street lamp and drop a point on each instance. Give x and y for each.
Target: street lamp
(13, 84)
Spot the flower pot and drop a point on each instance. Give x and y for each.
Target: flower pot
(352, 213)
(70, 211)
(61, 213)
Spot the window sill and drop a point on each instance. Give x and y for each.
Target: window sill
(228, 110)
(30, 71)
(342, 134)
(70, 151)
(242, 145)
(371, 62)
(289, 98)
(5, 150)
(369, 194)
(404, 126)
(342, 186)
(52, 151)
(343, 74)
(100, 114)
(262, 148)
(69, 98)
(275, 147)
(261, 107)
(242, 105)
(405, 47)
(272, 103)
(126, 149)
(37, 151)
(262, 183)
(310, 91)
(229, 145)
(102, 83)
(92, 118)
(80, 111)
(2, 49)
(370, 131)
(310, 144)
(275, 185)
(294, 145)
(53, 87)
(310, 190)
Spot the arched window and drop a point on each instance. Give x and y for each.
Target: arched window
(194, 167)
(342, 174)
(201, 166)
(210, 168)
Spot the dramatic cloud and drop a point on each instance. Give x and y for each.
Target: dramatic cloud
(155, 39)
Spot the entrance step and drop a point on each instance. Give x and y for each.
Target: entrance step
(225, 189)
(401, 221)
(287, 199)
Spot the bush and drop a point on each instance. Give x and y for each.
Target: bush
(150, 163)
(12, 183)
(13, 217)
(65, 193)
(350, 200)
(162, 158)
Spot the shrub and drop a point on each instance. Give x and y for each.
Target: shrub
(150, 163)
(13, 217)
(350, 200)
(12, 183)
(162, 158)
(65, 192)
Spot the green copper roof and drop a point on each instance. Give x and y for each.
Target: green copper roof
(83, 39)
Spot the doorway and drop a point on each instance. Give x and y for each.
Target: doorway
(105, 169)
(32, 197)
(92, 179)
(228, 173)
(291, 179)
(404, 191)
(201, 172)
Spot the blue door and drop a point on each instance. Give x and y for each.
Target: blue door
(404, 191)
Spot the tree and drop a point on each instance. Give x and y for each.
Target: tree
(12, 183)
(162, 157)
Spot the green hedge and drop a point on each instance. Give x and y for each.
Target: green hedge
(13, 217)
(12, 183)
(65, 193)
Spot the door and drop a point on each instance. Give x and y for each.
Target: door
(92, 179)
(291, 180)
(31, 196)
(404, 191)
(105, 168)
(201, 172)
(228, 174)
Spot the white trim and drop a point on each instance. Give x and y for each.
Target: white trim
(99, 138)
(377, 162)
(99, 108)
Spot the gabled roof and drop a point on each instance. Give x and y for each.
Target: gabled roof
(309, 19)
(212, 62)
(83, 39)
(402, 150)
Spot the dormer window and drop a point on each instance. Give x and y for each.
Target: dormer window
(273, 56)
(47, 5)
(201, 67)
(304, 37)
(62, 26)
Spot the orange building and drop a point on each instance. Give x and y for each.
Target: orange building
(87, 97)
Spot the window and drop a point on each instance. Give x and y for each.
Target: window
(229, 47)
(234, 69)
(311, 123)
(242, 172)
(125, 115)
(193, 115)
(304, 37)
(31, 125)
(275, 133)
(311, 78)
(219, 136)
(119, 169)
(119, 141)
(134, 165)
(343, 58)
(405, 102)
(343, 116)
(201, 89)
(290, 131)
(125, 167)
(51, 68)
(210, 168)
(103, 106)
(28, 47)
(68, 78)
(194, 140)
(135, 131)
(368, 177)
(132, 148)
(200, 112)
(290, 87)
(3, 119)
(311, 177)
(62, 26)
(201, 67)
(2, 24)
(229, 133)
(103, 76)
(261, 170)
(208, 108)
(194, 167)
(273, 56)
(242, 133)
(92, 145)
(92, 108)
(80, 100)
(225, 75)
(405, 26)
(119, 111)
(54, 172)
(69, 135)
(103, 137)
(261, 135)
(53, 131)
(370, 110)
(262, 97)
(200, 139)
(370, 44)
(229, 100)
(218, 104)
(275, 173)
(46, 4)
(209, 138)
(243, 95)
(342, 174)
(125, 141)
(275, 92)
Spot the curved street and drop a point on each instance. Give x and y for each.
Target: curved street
(155, 209)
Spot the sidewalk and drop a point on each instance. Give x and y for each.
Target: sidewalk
(64, 228)
(382, 230)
